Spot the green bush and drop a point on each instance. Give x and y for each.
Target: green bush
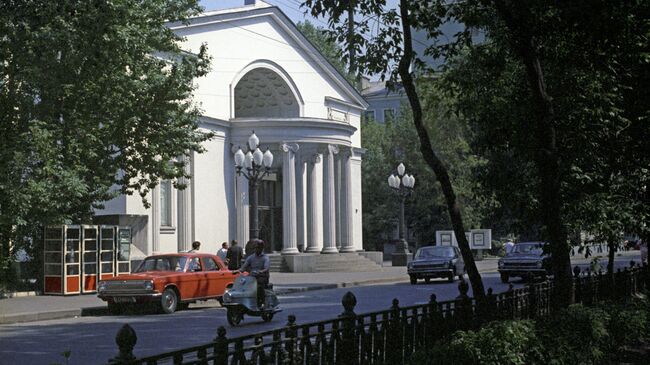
(629, 324)
(499, 343)
(576, 335)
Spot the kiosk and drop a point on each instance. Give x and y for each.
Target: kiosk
(76, 257)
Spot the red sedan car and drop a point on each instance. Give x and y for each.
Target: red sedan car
(172, 280)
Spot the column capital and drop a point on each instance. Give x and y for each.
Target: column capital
(286, 147)
(329, 148)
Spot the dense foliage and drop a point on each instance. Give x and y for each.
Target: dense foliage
(426, 211)
(576, 335)
(95, 101)
(595, 67)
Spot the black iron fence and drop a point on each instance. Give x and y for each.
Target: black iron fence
(389, 336)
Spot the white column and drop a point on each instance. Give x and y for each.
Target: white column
(184, 210)
(289, 233)
(337, 200)
(314, 204)
(243, 210)
(329, 201)
(347, 213)
(155, 220)
(301, 187)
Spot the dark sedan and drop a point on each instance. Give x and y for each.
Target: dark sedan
(436, 262)
(526, 260)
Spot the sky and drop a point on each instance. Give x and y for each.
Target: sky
(290, 7)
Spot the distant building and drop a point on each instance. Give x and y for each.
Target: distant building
(383, 104)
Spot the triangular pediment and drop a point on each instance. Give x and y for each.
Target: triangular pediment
(285, 32)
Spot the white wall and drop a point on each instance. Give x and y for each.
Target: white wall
(264, 39)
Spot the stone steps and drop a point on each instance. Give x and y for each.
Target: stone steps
(342, 262)
(277, 263)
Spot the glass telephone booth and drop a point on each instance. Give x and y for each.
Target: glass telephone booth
(76, 257)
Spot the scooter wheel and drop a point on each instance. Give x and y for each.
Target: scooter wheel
(267, 316)
(234, 316)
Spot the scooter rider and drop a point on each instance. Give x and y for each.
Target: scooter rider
(258, 266)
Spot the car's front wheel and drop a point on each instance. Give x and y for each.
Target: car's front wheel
(505, 277)
(169, 301)
(414, 280)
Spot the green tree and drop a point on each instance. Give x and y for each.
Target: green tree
(327, 46)
(580, 71)
(95, 101)
(426, 211)
(383, 46)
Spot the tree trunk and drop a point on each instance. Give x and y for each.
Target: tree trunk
(547, 158)
(432, 159)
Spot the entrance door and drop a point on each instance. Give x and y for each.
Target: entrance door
(270, 213)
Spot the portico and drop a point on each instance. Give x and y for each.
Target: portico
(310, 188)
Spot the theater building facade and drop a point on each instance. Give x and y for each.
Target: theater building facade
(268, 78)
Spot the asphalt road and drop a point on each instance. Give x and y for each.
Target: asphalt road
(91, 340)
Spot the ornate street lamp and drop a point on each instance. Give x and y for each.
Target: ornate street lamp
(402, 184)
(253, 165)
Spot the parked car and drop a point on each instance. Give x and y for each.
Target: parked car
(526, 260)
(436, 262)
(172, 281)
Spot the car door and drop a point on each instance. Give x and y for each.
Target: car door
(192, 279)
(214, 283)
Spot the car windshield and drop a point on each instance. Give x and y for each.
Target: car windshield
(435, 252)
(163, 263)
(528, 249)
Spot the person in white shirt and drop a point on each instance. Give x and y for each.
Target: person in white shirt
(509, 245)
(223, 251)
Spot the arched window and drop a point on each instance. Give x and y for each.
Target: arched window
(261, 92)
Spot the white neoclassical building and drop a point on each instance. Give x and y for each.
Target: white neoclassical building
(268, 78)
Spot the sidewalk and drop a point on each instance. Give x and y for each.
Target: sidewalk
(45, 307)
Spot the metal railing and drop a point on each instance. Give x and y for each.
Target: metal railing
(389, 336)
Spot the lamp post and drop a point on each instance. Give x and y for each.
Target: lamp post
(402, 184)
(253, 165)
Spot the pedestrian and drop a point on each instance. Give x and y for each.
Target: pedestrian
(509, 245)
(195, 246)
(223, 251)
(234, 256)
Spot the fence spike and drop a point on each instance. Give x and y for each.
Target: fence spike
(126, 340)
(576, 271)
(349, 301)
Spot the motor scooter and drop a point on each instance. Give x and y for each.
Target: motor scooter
(241, 299)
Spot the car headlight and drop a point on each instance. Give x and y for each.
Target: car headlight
(500, 263)
(410, 265)
(539, 264)
(148, 285)
(101, 286)
(227, 297)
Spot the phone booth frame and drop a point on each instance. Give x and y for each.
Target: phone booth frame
(89, 257)
(123, 254)
(63, 251)
(53, 238)
(77, 257)
(106, 257)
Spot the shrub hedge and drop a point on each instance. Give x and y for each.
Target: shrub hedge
(576, 335)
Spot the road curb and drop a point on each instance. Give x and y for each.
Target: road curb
(288, 289)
